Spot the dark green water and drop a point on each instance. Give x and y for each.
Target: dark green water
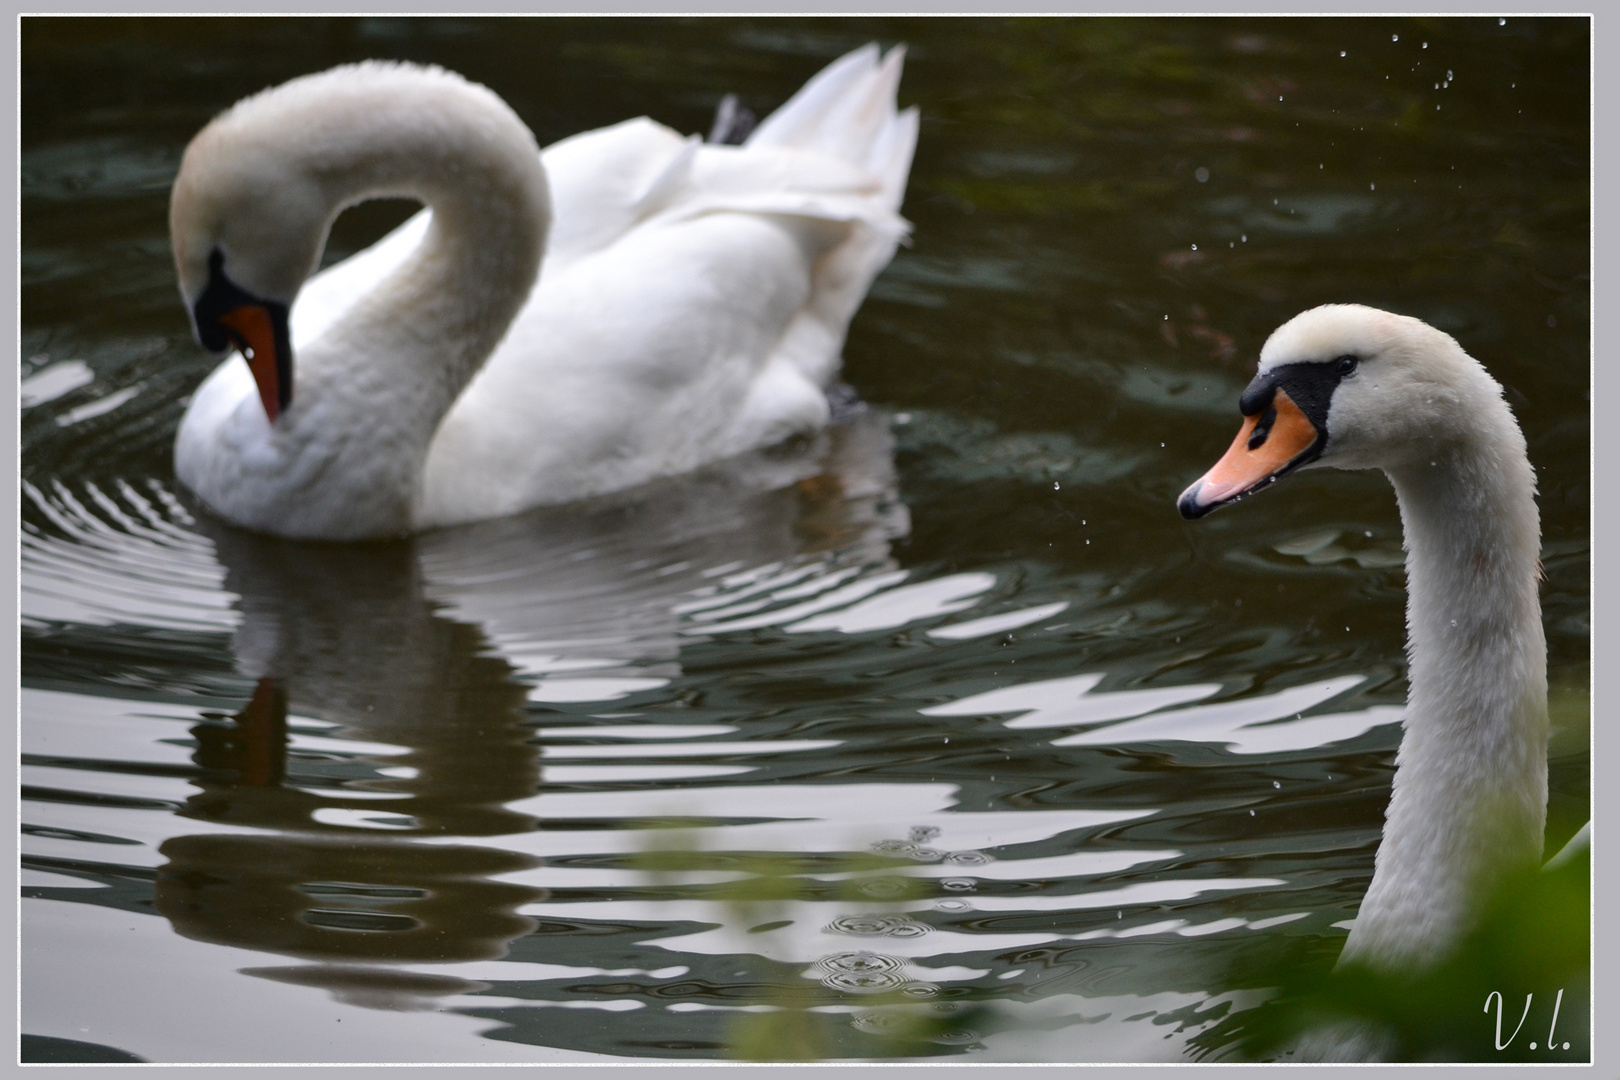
(407, 801)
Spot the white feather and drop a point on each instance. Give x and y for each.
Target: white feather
(692, 303)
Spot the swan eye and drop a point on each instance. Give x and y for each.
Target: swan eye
(1344, 365)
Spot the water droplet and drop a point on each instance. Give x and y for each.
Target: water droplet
(1367, 533)
(1161, 446)
(1342, 53)
(1195, 247)
(1201, 174)
(1276, 783)
(1394, 37)
(1347, 629)
(1425, 44)
(1251, 813)
(1279, 97)
(1372, 187)
(1503, 22)
(1244, 238)
(1056, 486)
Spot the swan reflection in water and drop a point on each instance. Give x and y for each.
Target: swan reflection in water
(392, 681)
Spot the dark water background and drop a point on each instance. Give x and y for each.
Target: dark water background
(414, 801)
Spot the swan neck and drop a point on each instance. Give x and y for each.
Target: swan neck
(345, 458)
(1469, 801)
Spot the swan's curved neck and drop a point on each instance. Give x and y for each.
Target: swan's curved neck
(345, 459)
(1469, 800)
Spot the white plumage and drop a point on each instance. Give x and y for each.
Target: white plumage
(691, 305)
(1470, 788)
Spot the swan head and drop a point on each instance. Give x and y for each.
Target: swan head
(246, 231)
(1351, 387)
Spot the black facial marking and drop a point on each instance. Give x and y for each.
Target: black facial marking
(223, 296)
(1309, 384)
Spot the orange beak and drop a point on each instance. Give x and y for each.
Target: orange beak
(255, 333)
(1257, 457)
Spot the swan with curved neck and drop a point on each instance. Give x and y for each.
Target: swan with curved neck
(692, 306)
(1357, 388)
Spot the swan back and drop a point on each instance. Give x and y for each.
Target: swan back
(693, 305)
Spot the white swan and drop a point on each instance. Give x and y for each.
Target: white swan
(692, 306)
(1357, 388)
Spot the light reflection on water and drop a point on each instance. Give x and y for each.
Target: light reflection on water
(1021, 755)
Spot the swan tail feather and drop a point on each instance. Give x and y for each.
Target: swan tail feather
(848, 110)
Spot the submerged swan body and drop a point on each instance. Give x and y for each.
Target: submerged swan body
(1358, 388)
(692, 303)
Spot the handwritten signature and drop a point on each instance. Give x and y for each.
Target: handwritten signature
(1551, 1028)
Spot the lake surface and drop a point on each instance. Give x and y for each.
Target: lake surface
(942, 736)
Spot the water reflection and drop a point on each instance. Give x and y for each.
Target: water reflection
(391, 681)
